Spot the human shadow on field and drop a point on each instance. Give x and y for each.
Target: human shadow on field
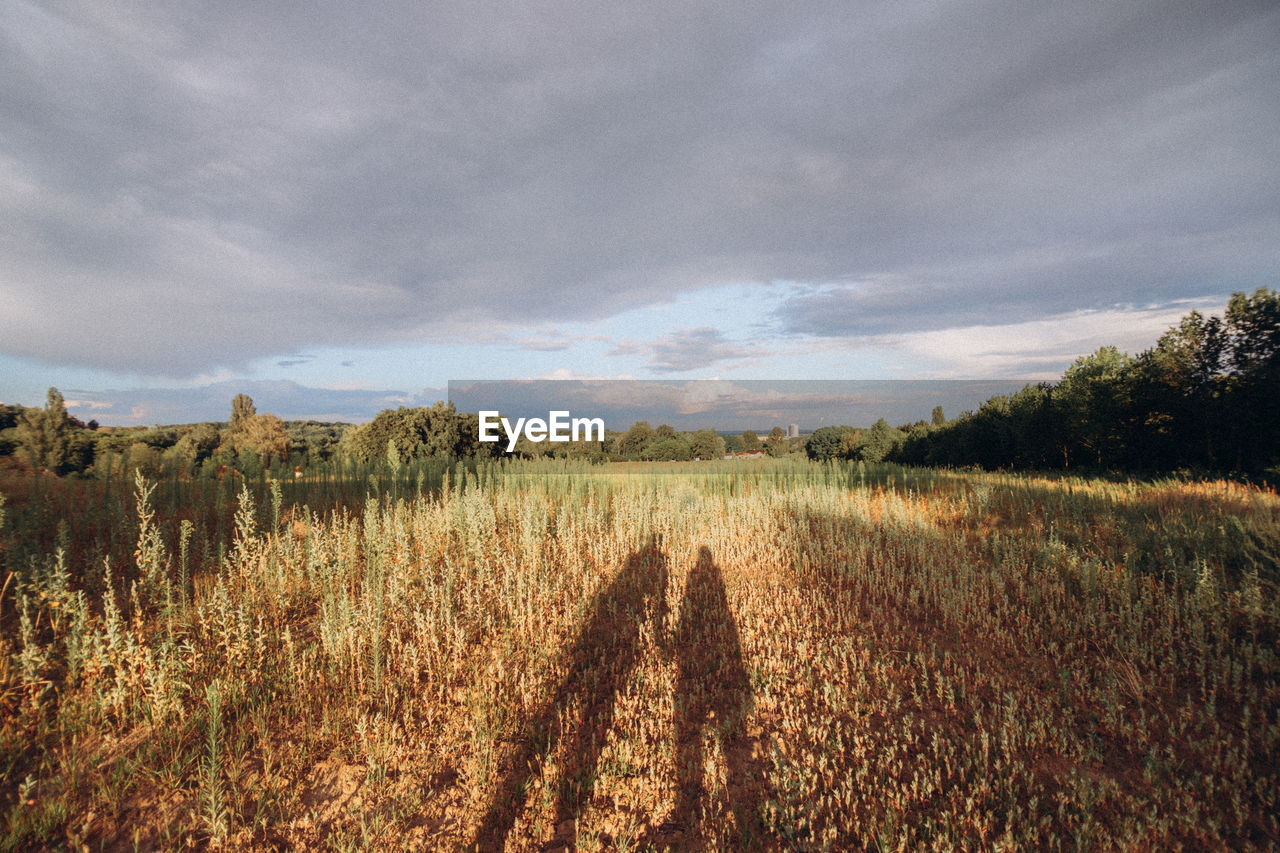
(604, 651)
(713, 695)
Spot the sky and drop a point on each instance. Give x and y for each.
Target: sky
(341, 207)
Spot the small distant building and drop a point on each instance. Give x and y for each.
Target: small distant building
(793, 431)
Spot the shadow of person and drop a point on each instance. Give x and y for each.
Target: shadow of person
(604, 651)
(713, 695)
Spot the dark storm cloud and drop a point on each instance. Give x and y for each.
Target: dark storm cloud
(184, 188)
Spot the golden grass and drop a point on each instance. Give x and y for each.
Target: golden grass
(769, 655)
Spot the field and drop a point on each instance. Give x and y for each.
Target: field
(753, 655)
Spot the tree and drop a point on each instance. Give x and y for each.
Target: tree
(750, 441)
(254, 437)
(826, 442)
(1094, 399)
(880, 441)
(317, 442)
(46, 434)
(705, 444)
(197, 445)
(1253, 332)
(468, 443)
(1177, 386)
(263, 435)
(1206, 396)
(674, 449)
(633, 442)
(438, 431)
(1252, 392)
(777, 444)
(938, 419)
(241, 409)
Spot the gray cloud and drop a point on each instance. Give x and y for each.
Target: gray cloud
(185, 189)
(630, 346)
(294, 361)
(555, 341)
(692, 349)
(212, 402)
(731, 405)
(545, 345)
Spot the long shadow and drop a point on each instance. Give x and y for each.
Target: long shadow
(713, 694)
(604, 651)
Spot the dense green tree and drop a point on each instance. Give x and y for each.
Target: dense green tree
(438, 431)
(161, 438)
(632, 443)
(1178, 387)
(705, 444)
(826, 442)
(1252, 385)
(1094, 400)
(195, 445)
(1252, 328)
(750, 441)
(467, 444)
(674, 449)
(369, 442)
(879, 441)
(312, 442)
(144, 457)
(938, 419)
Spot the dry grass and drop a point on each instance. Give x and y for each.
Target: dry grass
(749, 655)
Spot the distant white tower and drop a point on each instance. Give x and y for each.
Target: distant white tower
(793, 431)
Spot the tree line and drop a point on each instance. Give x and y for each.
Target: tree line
(1204, 398)
(664, 444)
(252, 443)
(54, 441)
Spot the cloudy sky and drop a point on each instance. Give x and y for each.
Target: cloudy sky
(338, 207)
